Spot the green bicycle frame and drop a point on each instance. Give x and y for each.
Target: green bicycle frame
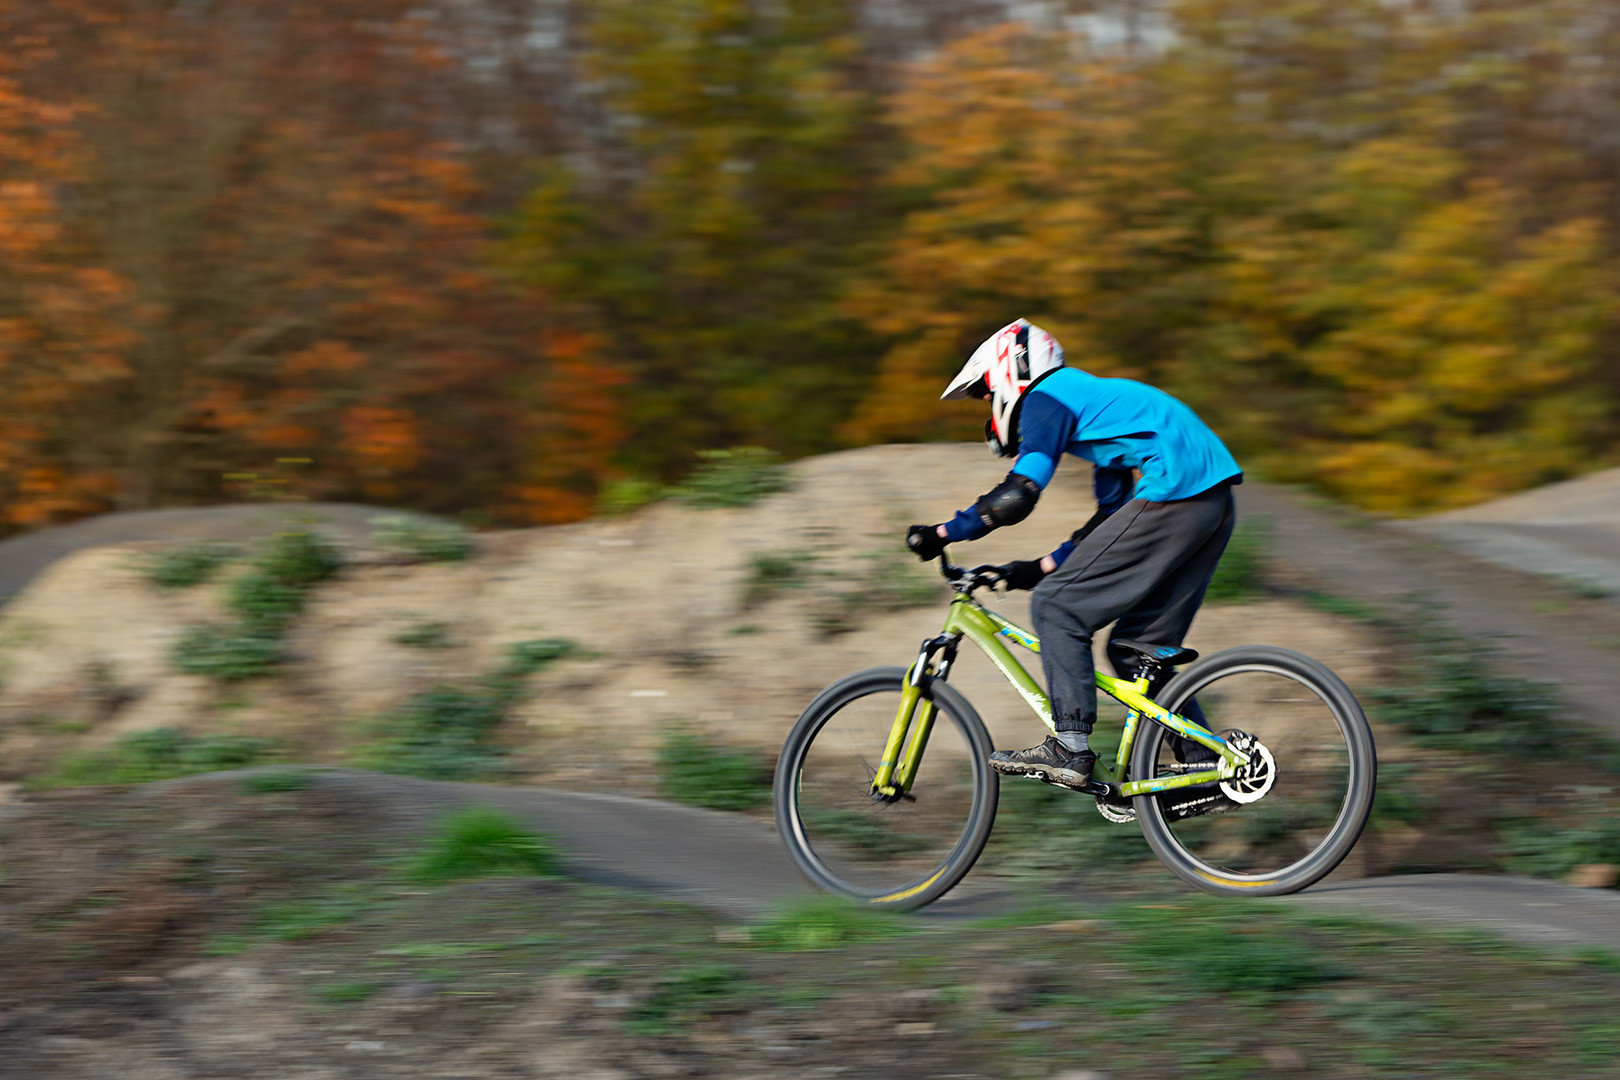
(969, 619)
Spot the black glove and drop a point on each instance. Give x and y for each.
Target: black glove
(1021, 575)
(925, 542)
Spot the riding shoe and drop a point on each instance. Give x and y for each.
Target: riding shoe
(1051, 761)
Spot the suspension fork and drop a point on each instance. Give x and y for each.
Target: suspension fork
(896, 770)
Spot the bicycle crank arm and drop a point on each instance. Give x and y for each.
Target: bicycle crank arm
(1093, 787)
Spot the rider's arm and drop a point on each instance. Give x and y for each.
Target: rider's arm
(1044, 429)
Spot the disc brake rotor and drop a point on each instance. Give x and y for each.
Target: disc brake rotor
(1257, 777)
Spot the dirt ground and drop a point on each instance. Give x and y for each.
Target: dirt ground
(674, 624)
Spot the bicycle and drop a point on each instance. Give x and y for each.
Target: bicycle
(1269, 806)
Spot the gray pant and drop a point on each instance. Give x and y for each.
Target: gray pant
(1145, 568)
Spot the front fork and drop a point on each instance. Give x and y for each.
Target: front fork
(898, 769)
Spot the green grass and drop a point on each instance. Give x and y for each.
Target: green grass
(264, 600)
(184, 567)
(482, 843)
(740, 476)
(421, 540)
(826, 922)
(626, 494)
(698, 772)
(273, 781)
(1049, 832)
(156, 754)
(1224, 947)
(424, 635)
(690, 991)
(448, 733)
(1554, 848)
(1455, 695)
(227, 653)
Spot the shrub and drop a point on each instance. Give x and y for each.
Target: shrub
(481, 843)
(422, 539)
(447, 733)
(157, 754)
(187, 566)
(737, 477)
(299, 558)
(627, 494)
(695, 771)
(424, 635)
(228, 654)
(1554, 848)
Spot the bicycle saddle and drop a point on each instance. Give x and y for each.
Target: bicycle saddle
(1167, 655)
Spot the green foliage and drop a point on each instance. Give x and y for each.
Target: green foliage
(483, 843)
(693, 770)
(1455, 696)
(227, 653)
(348, 992)
(448, 733)
(825, 922)
(187, 566)
(424, 635)
(712, 259)
(1072, 837)
(441, 734)
(859, 830)
(692, 990)
(156, 754)
(740, 476)
(299, 558)
(626, 494)
(265, 600)
(421, 539)
(272, 781)
(1223, 948)
(1554, 848)
(1241, 574)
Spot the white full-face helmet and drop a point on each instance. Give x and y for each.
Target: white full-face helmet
(1002, 369)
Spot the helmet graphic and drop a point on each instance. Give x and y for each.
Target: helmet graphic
(1010, 361)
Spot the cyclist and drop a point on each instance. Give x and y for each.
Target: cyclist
(1163, 482)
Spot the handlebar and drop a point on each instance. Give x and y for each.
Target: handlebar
(966, 581)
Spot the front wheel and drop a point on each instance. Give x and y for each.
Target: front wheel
(900, 853)
(1303, 819)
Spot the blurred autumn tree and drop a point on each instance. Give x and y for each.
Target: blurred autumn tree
(282, 245)
(487, 257)
(1310, 225)
(703, 235)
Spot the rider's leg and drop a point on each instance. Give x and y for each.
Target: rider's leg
(1165, 614)
(1112, 572)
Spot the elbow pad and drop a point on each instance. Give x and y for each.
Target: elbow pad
(1009, 502)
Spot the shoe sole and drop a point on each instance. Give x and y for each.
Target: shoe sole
(1062, 777)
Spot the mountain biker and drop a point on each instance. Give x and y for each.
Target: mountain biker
(1163, 482)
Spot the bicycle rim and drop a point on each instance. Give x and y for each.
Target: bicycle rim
(901, 853)
(1307, 820)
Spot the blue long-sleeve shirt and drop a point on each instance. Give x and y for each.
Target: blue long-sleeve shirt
(1122, 427)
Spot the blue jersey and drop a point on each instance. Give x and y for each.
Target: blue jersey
(1122, 427)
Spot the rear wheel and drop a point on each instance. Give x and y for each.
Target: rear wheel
(900, 853)
(1304, 816)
